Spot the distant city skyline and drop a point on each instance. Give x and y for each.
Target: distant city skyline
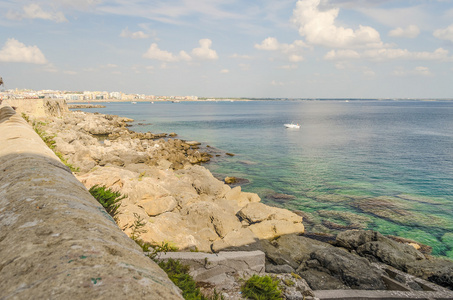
(220, 48)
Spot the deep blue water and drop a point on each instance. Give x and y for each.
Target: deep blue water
(383, 165)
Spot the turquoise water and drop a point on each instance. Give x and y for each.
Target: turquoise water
(383, 165)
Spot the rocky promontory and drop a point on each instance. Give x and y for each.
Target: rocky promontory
(183, 204)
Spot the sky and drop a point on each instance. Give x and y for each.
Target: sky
(230, 48)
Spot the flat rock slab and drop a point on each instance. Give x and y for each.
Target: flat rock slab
(219, 268)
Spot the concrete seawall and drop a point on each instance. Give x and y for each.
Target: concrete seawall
(38, 108)
(56, 241)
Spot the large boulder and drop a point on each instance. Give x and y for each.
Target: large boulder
(241, 239)
(390, 252)
(352, 239)
(355, 272)
(204, 214)
(270, 229)
(293, 250)
(256, 212)
(170, 227)
(202, 180)
(378, 248)
(322, 281)
(268, 222)
(156, 206)
(439, 271)
(240, 199)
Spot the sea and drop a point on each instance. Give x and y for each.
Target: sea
(385, 165)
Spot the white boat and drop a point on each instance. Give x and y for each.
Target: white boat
(292, 125)
(133, 102)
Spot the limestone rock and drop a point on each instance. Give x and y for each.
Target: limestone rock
(170, 227)
(352, 239)
(220, 268)
(293, 250)
(322, 281)
(240, 238)
(390, 252)
(203, 181)
(210, 215)
(241, 199)
(353, 271)
(439, 271)
(156, 206)
(270, 229)
(258, 212)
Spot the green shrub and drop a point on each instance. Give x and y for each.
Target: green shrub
(109, 199)
(261, 288)
(179, 274)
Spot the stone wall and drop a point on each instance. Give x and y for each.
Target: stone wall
(39, 108)
(56, 241)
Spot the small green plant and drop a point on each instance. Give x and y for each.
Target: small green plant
(289, 282)
(163, 248)
(109, 199)
(26, 117)
(152, 250)
(137, 227)
(179, 274)
(261, 288)
(176, 271)
(140, 177)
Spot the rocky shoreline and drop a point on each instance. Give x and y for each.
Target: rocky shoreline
(78, 106)
(183, 204)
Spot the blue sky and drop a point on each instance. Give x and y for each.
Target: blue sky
(231, 48)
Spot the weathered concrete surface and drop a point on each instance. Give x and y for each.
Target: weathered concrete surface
(56, 241)
(38, 108)
(220, 268)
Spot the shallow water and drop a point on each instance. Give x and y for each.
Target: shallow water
(383, 165)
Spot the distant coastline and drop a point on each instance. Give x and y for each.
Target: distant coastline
(261, 99)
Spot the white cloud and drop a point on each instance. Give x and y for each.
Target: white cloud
(341, 54)
(224, 71)
(126, 33)
(291, 50)
(205, 51)
(295, 58)
(244, 67)
(270, 44)
(411, 31)
(243, 56)
(444, 34)
(417, 71)
(288, 67)
(15, 51)
(423, 71)
(277, 83)
(50, 68)
(34, 11)
(184, 56)
(157, 54)
(369, 73)
(319, 28)
(386, 54)
(389, 54)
